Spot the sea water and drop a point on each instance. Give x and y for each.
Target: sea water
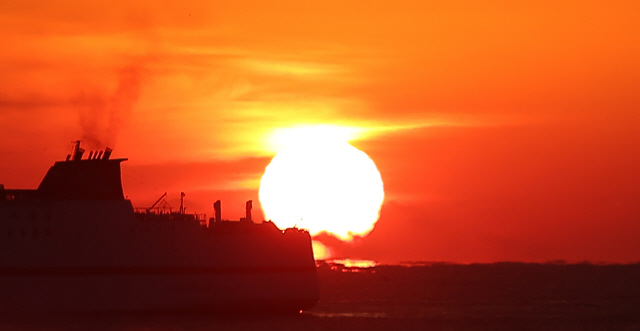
(502, 296)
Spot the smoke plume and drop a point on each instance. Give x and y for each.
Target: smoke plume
(103, 114)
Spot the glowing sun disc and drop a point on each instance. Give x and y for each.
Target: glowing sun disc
(322, 186)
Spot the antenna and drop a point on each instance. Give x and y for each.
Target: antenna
(182, 202)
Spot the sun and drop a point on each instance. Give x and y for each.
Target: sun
(322, 185)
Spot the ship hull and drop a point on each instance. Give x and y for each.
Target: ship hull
(148, 290)
(74, 261)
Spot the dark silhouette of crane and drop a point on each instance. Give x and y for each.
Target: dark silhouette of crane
(157, 202)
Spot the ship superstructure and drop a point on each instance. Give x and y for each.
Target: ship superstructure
(76, 244)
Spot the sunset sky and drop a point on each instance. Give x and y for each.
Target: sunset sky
(502, 130)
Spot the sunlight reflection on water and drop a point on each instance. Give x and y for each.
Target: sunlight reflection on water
(352, 263)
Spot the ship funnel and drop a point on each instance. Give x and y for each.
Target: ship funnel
(107, 153)
(77, 151)
(218, 211)
(248, 207)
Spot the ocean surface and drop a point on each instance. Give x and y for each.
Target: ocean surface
(502, 296)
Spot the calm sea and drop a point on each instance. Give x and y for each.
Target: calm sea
(503, 296)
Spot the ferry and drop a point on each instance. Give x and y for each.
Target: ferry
(76, 244)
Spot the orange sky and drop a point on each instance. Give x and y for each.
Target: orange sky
(502, 130)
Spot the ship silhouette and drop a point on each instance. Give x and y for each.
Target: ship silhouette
(76, 244)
